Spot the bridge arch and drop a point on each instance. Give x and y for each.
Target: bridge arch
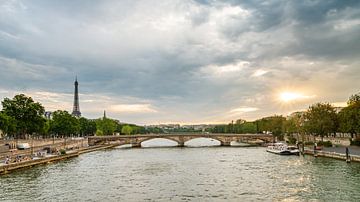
(188, 140)
(136, 140)
(160, 138)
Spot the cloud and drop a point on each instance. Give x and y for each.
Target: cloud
(224, 70)
(294, 96)
(150, 61)
(133, 108)
(244, 110)
(259, 73)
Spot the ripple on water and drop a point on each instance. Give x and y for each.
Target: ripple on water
(185, 174)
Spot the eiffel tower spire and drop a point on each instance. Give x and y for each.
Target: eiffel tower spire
(76, 107)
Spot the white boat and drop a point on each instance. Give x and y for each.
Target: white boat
(283, 149)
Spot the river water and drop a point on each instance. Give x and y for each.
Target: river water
(185, 174)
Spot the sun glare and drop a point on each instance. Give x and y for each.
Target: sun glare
(290, 96)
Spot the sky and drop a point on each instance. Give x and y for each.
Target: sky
(181, 61)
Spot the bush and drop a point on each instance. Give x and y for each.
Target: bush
(355, 142)
(291, 140)
(62, 152)
(309, 143)
(99, 133)
(325, 144)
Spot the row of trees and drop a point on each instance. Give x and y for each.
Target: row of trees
(22, 116)
(321, 119)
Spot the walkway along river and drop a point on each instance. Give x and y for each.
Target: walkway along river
(184, 174)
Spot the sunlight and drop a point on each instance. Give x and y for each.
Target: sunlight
(291, 96)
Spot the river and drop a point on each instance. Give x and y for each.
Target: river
(185, 174)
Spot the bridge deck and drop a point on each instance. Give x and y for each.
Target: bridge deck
(185, 134)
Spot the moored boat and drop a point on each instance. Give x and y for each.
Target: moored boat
(283, 149)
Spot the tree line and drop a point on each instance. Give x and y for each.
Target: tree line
(21, 116)
(320, 119)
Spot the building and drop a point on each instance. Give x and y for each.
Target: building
(76, 108)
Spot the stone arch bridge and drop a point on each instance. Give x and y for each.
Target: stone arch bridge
(136, 140)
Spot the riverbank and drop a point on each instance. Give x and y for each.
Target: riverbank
(185, 174)
(39, 145)
(6, 168)
(333, 154)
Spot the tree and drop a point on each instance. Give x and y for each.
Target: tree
(46, 129)
(126, 130)
(28, 115)
(7, 124)
(106, 126)
(354, 99)
(349, 117)
(273, 124)
(242, 126)
(64, 124)
(87, 127)
(137, 129)
(321, 119)
(248, 127)
(155, 130)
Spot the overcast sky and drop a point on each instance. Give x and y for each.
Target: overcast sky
(181, 61)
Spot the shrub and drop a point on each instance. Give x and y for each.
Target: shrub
(325, 144)
(291, 140)
(62, 152)
(99, 133)
(355, 142)
(309, 143)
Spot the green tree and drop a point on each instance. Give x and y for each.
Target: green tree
(354, 99)
(321, 119)
(273, 124)
(87, 127)
(28, 115)
(126, 130)
(7, 124)
(106, 126)
(294, 125)
(248, 127)
(64, 124)
(45, 132)
(155, 130)
(349, 117)
(138, 129)
(99, 133)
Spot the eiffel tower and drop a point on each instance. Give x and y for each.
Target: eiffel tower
(76, 108)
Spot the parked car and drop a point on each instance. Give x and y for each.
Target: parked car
(23, 146)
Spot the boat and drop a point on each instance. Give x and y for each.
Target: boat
(283, 149)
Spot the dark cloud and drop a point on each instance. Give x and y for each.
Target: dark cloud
(180, 61)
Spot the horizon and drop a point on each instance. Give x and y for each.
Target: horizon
(180, 62)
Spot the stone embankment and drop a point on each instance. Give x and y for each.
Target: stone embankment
(25, 164)
(334, 155)
(41, 144)
(6, 168)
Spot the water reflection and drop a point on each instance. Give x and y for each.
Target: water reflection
(159, 142)
(239, 144)
(197, 142)
(202, 142)
(185, 174)
(125, 146)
